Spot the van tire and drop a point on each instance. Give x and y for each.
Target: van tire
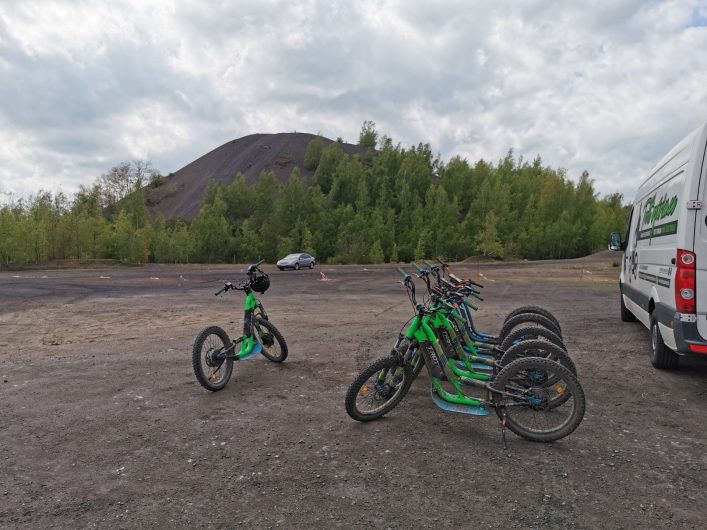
(626, 315)
(661, 356)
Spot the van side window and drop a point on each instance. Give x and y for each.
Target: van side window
(628, 228)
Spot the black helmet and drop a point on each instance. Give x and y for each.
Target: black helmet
(259, 281)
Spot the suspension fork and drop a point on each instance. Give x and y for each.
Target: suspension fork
(260, 310)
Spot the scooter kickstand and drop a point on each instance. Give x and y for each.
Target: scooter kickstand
(503, 429)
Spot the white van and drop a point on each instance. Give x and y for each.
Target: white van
(663, 278)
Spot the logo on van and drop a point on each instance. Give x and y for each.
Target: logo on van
(664, 208)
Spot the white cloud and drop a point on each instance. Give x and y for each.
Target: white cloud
(607, 85)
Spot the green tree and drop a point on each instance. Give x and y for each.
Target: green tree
(240, 200)
(181, 243)
(302, 238)
(353, 242)
(585, 209)
(368, 137)
(289, 207)
(394, 255)
(329, 161)
(248, 243)
(125, 242)
(211, 234)
(265, 194)
(416, 170)
(285, 246)
(315, 148)
(423, 243)
(487, 240)
(350, 184)
(375, 255)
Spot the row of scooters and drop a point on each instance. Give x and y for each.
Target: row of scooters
(524, 373)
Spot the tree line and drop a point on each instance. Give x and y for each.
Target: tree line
(388, 204)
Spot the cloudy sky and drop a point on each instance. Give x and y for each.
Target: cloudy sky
(603, 85)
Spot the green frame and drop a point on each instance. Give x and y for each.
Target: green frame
(249, 346)
(420, 333)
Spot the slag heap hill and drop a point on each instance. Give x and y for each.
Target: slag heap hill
(182, 193)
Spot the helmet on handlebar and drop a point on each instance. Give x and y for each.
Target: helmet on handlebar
(259, 281)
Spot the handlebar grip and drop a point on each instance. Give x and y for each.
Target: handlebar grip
(259, 262)
(403, 273)
(476, 284)
(221, 290)
(476, 295)
(470, 305)
(419, 269)
(429, 264)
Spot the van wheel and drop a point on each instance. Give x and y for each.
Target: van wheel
(626, 315)
(661, 356)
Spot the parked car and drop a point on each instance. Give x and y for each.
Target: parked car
(663, 279)
(296, 262)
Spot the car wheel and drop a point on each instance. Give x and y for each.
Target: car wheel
(281, 268)
(311, 264)
(296, 266)
(661, 356)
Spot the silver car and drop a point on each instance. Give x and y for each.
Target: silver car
(296, 262)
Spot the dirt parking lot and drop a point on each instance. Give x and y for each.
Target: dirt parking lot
(103, 424)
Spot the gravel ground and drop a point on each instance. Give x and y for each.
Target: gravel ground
(103, 424)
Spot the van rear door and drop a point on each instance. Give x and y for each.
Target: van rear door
(700, 237)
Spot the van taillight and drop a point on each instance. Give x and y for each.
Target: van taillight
(685, 282)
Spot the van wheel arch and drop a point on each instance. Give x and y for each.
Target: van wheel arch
(662, 357)
(626, 315)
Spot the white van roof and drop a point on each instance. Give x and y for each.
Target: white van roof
(680, 151)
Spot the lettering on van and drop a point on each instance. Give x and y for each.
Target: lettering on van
(653, 278)
(653, 212)
(666, 229)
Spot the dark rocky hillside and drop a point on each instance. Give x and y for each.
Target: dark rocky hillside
(181, 194)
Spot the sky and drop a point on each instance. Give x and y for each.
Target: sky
(606, 86)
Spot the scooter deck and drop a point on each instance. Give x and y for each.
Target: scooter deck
(481, 355)
(257, 348)
(475, 366)
(457, 407)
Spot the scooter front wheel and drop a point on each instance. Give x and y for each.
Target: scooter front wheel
(378, 388)
(211, 367)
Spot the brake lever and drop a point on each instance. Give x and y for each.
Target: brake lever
(226, 287)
